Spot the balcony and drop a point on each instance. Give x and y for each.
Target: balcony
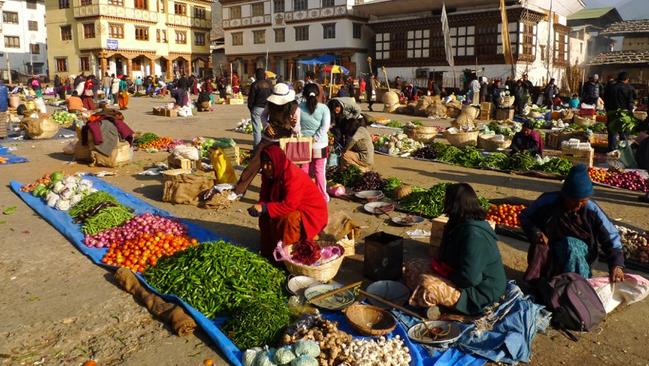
(287, 17)
(94, 10)
(185, 21)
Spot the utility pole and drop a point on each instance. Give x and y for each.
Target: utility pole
(8, 65)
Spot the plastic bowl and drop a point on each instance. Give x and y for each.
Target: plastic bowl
(393, 291)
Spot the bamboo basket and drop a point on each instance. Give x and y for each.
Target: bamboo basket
(489, 144)
(584, 121)
(423, 134)
(370, 320)
(507, 101)
(462, 139)
(323, 273)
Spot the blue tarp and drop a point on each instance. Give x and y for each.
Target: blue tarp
(324, 59)
(12, 159)
(65, 225)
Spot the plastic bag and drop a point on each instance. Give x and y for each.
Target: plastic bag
(223, 169)
(634, 288)
(186, 152)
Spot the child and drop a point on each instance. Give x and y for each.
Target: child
(574, 101)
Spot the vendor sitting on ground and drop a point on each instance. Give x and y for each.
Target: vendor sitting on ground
(527, 140)
(468, 274)
(342, 110)
(181, 97)
(74, 103)
(573, 226)
(290, 208)
(359, 150)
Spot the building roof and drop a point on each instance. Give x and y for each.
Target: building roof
(628, 27)
(621, 58)
(591, 13)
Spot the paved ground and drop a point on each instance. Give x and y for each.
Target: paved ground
(58, 308)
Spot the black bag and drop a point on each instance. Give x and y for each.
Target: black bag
(573, 302)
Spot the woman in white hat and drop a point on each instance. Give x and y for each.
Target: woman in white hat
(281, 118)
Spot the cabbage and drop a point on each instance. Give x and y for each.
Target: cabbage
(304, 360)
(249, 356)
(58, 187)
(304, 347)
(284, 356)
(263, 359)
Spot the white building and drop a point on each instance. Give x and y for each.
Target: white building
(24, 37)
(409, 41)
(277, 34)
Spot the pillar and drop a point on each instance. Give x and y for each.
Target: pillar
(103, 62)
(189, 66)
(291, 63)
(151, 67)
(129, 68)
(170, 70)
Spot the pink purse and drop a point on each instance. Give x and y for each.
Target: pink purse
(297, 149)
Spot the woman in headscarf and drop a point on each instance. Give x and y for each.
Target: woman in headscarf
(88, 96)
(291, 208)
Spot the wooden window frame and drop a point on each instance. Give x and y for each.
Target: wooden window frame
(301, 33)
(255, 9)
(61, 64)
(10, 41)
(116, 2)
(463, 40)
(328, 30)
(32, 25)
(86, 2)
(120, 30)
(161, 35)
(89, 33)
(84, 63)
(237, 38)
(181, 37)
(200, 12)
(328, 3)
(198, 36)
(281, 31)
(259, 36)
(300, 5)
(235, 14)
(279, 9)
(10, 17)
(64, 4)
(180, 8)
(66, 32)
(357, 30)
(418, 43)
(31, 4)
(382, 44)
(35, 48)
(142, 33)
(141, 4)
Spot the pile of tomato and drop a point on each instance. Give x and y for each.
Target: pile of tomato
(599, 175)
(161, 143)
(505, 214)
(145, 250)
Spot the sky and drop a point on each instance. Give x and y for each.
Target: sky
(628, 9)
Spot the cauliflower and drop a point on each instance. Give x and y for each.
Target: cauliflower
(63, 205)
(58, 187)
(284, 356)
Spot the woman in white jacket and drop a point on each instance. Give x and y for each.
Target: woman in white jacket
(114, 88)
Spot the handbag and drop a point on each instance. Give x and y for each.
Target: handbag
(297, 149)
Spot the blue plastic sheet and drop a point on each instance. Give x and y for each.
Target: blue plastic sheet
(11, 158)
(72, 231)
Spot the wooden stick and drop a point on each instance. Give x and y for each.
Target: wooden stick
(393, 305)
(334, 292)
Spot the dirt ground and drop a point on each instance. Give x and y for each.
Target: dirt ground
(60, 309)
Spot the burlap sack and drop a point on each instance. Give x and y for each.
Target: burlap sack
(185, 188)
(341, 225)
(467, 117)
(40, 128)
(120, 155)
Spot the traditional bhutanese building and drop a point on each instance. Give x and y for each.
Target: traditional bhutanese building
(409, 40)
(130, 37)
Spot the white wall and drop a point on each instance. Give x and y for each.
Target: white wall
(21, 58)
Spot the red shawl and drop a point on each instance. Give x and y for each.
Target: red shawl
(290, 190)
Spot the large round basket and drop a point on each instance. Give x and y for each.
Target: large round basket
(507, 101)
(425, 134)
(583, 121)
(462, 139)
(370, 320)
(322, 273)
(490, 144)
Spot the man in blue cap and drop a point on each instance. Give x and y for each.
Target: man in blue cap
(574, 227)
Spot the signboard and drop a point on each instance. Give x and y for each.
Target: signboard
(111, 44)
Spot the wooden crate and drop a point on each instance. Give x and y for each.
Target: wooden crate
(4, 124)
(579, 156)
(504, 114)
(233, 101)
(485, 111)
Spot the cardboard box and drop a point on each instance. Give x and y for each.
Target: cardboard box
(234, 101)
(505, 114)
(171, 113)
(579, 156)
(485, 111)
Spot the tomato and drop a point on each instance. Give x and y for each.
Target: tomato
(90, 363)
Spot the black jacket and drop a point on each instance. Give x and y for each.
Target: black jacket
(618, 96)
(260, 90)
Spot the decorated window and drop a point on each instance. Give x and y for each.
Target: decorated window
(418, 44)
(463, 40)
(382, 46)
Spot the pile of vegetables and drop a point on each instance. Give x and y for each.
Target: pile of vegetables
(555, 166)
(429, 202)
(64, 193)
(599, 127)
(260, 321)
(400, 144)
(42, 182)
(348, 176)
(160, 143)
(204, 144)
(427, 152)
(496, 161)
(64, 118)
(630, 179)
(244, 126)
(522, 161)
(142, 224)
(500, 129)
(105, 219)
(306, 252)
(89, 203)
(390, 185)
(505, 214)
(381, 351)
(394, 124)
(302, 353)
(636, 244)
(369, 181)
(624, 121)
(331, 340)
(146, 138)
(217, 277)
(145, 249)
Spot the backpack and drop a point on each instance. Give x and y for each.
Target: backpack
(573, 302)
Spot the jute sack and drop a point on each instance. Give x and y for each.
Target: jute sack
(40, 128)
(185, 188)
(120, 155)
(466, 118)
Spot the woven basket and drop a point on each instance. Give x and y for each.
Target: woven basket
(370, 320)
(489, 144)
(583, 121)
(462, 139)
(323, 273)
(423, 134)
(507, 101)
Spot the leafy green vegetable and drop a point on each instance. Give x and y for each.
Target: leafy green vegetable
(622, 121)
(495, 160)
(146, 138)
(558, 166)
(258, 322)
(430, 202)
(522, 161)
(390, 184)
(599, 127)
(348, 177)
(394, 124)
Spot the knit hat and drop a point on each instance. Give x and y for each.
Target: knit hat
(578, 184)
